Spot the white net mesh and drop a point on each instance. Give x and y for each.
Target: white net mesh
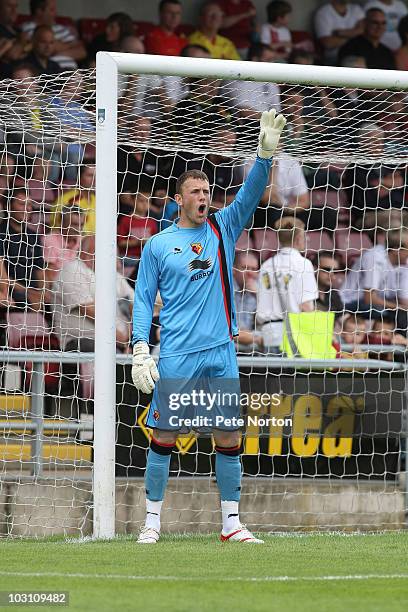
(340, 169)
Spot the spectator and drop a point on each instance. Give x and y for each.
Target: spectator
(383, 332)
(246, 271)
(199, 115)
(177, 87)
(43, 42)
(146, 94)
(163, 208)
(252, 97)
(373, 186)
(41, 195)
(377, 284)
(82, 196)
(401, 56)
(22, 254)
(369, 45)
(329, 279)
(276, 32)
(13, 44)
(352, 334)
(336, 22)
(211, 17)
(67, 110)
(163, 39)
(238, 23)
(225, 173)
(394, 10)
(62, 244)
(68, 48)
(74, 303)
(24, 131)
(135, 230)
(288, 194)
(312, 113)
(286, 283)
(352, 105)
(118, 26)
(140, 167)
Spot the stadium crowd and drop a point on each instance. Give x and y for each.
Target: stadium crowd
(330, 237)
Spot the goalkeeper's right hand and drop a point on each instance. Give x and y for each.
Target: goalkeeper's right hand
(144, 371)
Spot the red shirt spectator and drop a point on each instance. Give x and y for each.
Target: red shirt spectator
(163, 40)
(238, 23)
(160, 42)
(134, 230)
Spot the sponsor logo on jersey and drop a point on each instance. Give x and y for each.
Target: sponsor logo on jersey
(200, 264)
(177, 250)
(196, 247)
(156, 415)
(266, 281)
(199, 275)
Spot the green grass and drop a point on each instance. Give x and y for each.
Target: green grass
(198, 573)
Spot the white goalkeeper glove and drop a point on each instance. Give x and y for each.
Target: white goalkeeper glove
(271, 129)
(144, 371)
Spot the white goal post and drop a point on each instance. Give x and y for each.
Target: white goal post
(108, 67)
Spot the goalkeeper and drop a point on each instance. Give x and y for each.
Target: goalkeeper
(190, 263)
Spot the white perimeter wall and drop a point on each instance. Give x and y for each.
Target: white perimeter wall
(147, 11)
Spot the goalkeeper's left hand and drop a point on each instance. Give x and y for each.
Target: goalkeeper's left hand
(271, 129)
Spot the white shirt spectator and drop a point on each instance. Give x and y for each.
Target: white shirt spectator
(286, 281)
(271, 35)
(61, 33)
(251, 95)
(74, 287)
(373, 270)
(289, 179)
(327, 20)
(143, 99)
(393, 13)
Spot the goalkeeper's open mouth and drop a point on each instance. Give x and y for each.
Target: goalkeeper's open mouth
(202, 209)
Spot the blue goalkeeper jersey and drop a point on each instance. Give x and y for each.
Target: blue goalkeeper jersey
(192, 269)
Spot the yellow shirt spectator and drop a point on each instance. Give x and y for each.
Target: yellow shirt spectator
(82, 196)
(83, 199)
(219, 46)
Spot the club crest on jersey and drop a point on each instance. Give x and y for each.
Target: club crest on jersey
(156, 415)
(196, 247)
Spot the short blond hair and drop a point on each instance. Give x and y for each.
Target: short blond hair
(289, 229)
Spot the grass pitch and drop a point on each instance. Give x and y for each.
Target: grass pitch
(302, 573)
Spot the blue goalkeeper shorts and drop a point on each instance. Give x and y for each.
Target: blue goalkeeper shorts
(199, 391)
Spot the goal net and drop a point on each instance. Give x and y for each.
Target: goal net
(73, 440)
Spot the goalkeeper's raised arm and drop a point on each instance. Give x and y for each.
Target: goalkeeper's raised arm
(238, 213)
(191, 261)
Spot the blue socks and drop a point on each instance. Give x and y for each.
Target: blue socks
(157, 470)
(228, 473)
